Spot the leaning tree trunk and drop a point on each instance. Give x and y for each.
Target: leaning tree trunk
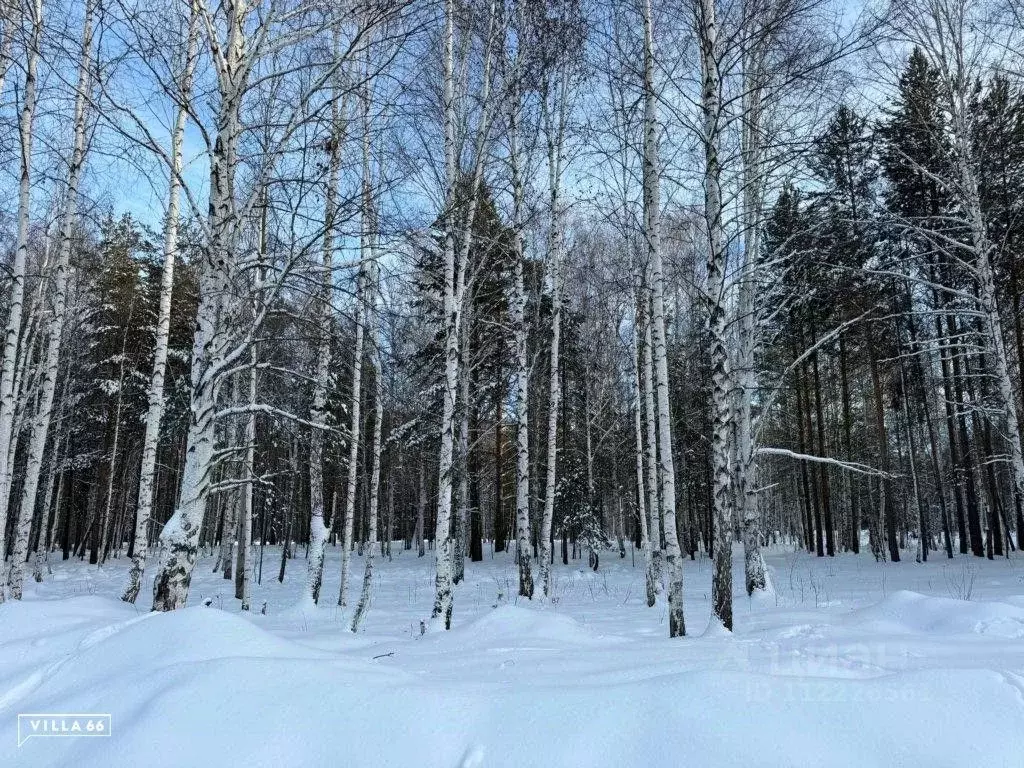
(12, 332)
(179, 538)
(48, 385)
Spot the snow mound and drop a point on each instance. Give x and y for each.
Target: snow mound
(175, 683)
(194, 634)
(20, 619)
(529, 626)
(906, 612)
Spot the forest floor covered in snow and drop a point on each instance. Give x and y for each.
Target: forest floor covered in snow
(850, 663)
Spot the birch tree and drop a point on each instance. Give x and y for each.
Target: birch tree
(707, 33)
(518, 319)
(554, 120)
(355, 425)
(457, 223)
(238, 40)
(652, 232)
(55, 328)
(318, 530)
(154, 413)
(13, 329)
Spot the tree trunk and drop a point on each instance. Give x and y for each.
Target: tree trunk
(523, 533)
(355, 425)
(55, 332)
(318, 528)
(180, 536)
(12, 332)
(378, 418)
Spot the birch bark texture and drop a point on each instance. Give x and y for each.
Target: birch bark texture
(707, 33)
(155, 397)
(13, 329)
(55, 329)
(652, 232)
(179, 539)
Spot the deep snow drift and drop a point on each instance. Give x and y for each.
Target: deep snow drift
(851, 663)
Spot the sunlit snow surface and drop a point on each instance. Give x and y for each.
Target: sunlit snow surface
(850, 663)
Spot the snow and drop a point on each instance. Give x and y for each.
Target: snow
(849, 663)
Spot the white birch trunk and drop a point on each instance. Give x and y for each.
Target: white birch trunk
(949, 33)
(518, 311)
(12, 332)
(555, 130)
(554, 398)
(10, 19)
(462, 509)
(372, 293)
(318, 530)
(378, 419)
(652, 227)
(745, 470)
(155, 409)
(645, 540)
(997, 343)
(651, 450)
(244, 565)
(721, 399)
(453, 295)
(180, 536)
(55, 332)
(355, 426)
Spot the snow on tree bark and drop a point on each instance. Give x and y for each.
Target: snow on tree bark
(179, 538)
(721, 399)
(155, 410)
(748, 307)
(318, 530)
